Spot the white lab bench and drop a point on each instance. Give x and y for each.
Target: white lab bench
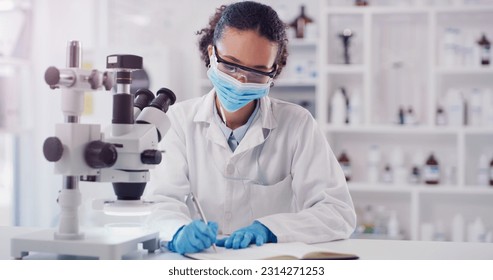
(366, 249)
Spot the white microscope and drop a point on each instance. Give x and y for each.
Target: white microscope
(122, 155)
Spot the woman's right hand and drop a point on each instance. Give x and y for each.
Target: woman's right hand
(194, 237)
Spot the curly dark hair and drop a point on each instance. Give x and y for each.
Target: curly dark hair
(246, 15)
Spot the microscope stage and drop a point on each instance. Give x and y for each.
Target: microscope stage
(101, 243)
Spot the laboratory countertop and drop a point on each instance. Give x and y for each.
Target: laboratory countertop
(366, 249)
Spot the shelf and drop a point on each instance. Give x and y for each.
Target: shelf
(423, 130)
(376, 236)
(467, 190)
(423, 189)
(378, 188)
(387, 129)
(344, 69)
(295, 42)
(487, 70)
(464, 9)
(478, 130)
(345, 10)
(354, 10)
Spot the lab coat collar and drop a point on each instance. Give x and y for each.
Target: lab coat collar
(206, 112)
(258, 131)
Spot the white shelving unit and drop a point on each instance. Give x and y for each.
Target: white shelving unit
(395, 58)
(381, 52)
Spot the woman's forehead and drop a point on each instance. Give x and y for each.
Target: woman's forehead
(247, 47)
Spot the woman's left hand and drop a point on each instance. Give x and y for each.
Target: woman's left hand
(256, 233)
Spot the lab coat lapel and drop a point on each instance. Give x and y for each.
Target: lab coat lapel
(206, 115)
(263, 124)
(253, 137)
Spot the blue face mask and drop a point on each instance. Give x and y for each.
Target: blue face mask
(232, 93)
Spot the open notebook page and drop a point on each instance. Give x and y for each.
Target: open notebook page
(294, 250)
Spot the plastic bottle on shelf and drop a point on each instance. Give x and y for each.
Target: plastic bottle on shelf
(487, 107)
(354, 109)
(369, 220)
(380, 225)
(431, 171)
(338, 108)
(439, 234)
(300, 22)
(345, 163)
(457, 228)
(468, 50)
(475, 110)
(393, 230)
(427, 231)
(399, 168)
(485, 50)
(483, 174)
(373, 163)
(450, 38)
(450, 176)
(455, 107)
(476, 231)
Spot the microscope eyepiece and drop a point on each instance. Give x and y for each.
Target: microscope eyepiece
(165, 98)
(143, 98)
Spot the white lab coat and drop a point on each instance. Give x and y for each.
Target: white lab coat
(283, 174)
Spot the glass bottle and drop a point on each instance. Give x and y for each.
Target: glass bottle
(401, 115)
(387, 175)
(300, 22)
(440, 116)
(345, 165)
(485, 47)
(431, 170)
(491, 172)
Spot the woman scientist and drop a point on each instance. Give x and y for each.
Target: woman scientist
(261, 168)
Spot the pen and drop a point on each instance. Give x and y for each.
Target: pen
(201, 213)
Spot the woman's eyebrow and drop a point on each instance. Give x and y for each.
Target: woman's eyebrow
(235, 60)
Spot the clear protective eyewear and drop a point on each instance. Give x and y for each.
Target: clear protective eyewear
(235, 70)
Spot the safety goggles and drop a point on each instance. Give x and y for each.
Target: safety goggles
(235, 70)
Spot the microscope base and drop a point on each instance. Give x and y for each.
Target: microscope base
(99, 243)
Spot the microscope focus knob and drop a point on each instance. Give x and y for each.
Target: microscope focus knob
(107, 81)
(99, 154)
(151, 157)
(94, 79)
(53, 149)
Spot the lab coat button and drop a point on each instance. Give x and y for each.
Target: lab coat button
(230, 169)
(228, 216)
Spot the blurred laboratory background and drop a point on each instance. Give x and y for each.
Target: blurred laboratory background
(402, 89)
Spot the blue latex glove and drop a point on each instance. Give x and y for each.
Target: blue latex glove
(194, 237)
(256, 233)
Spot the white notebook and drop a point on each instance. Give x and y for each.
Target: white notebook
(274, 251)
